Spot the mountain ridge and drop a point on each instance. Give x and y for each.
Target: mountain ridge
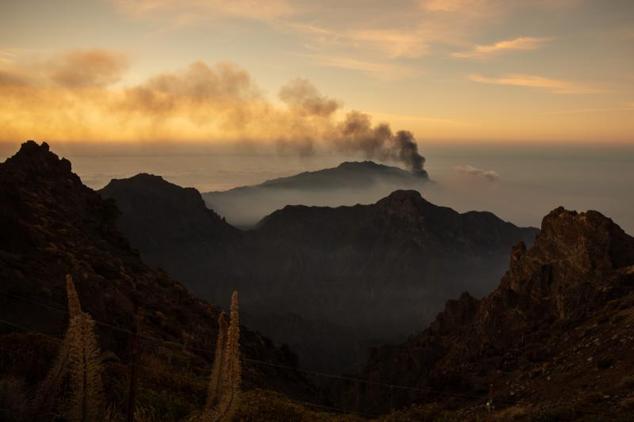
(54, 225)
(348, 183)
(335, 264)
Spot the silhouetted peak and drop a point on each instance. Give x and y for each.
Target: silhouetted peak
(37, 159)
(146, 183)
(150, 203)
(147, 177)
(404, 200)
(32, 146)
(367, 164)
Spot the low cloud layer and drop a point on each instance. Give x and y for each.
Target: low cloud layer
(75, 97)
(472, 171)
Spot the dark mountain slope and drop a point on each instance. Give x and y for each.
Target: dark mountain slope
(554, 338)
(347, 184)
(172, 227)
(367, 273)
(51, 225)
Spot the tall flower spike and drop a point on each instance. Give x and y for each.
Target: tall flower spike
(224, 384)
(215, 382)
(231, 385)
(86, 401)
(74, 306)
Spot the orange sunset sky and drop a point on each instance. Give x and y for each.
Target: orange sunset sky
(283, 70)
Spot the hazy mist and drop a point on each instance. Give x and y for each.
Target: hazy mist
(529, 182)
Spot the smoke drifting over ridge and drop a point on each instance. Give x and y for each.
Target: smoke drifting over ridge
(49, 99)
(378, 142)
(354, 134)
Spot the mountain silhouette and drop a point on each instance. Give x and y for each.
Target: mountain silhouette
(366, 273)
(347, 184)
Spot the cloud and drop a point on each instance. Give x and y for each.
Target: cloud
(198, 103)
(82, 68)
(188, 11)
(460, 6)
(72, 69)
(7, 55)
(394, 43)
(381, 39)
(302, 96)
(554, 86)
(624, 107)
(516, 44)
(469, 170)
(381, 70)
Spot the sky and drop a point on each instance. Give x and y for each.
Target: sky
(299, 73)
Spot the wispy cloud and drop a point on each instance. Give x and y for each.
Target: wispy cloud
(516, 44)
(555, 86)
(392, 42)
(383, 70)
(626, 107)
(469, 170)
(6, 56)
(188, 11)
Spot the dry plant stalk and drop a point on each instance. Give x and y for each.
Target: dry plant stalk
(213, 393)
(79, 358)
(86, 401)
(224, 384)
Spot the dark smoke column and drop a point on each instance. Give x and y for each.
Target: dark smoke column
(407, 152)
(356, 134)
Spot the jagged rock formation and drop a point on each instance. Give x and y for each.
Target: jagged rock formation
(347, 184)
(554, 337)
(51, 225)
(365, 274)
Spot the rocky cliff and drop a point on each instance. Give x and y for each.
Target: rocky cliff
(554, 338)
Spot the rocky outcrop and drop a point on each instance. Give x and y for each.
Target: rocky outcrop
(556, 332)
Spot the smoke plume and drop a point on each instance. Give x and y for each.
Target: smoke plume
(356, 134)
(78, 96)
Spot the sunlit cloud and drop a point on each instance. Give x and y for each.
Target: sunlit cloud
(554, 86)
(184, 11)
(6, 56)
(516, 44)
(382, 70)
(626, 107)
(83, 68)
(200, 103)
(394, 43)
(458, 6)
(489, 7)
